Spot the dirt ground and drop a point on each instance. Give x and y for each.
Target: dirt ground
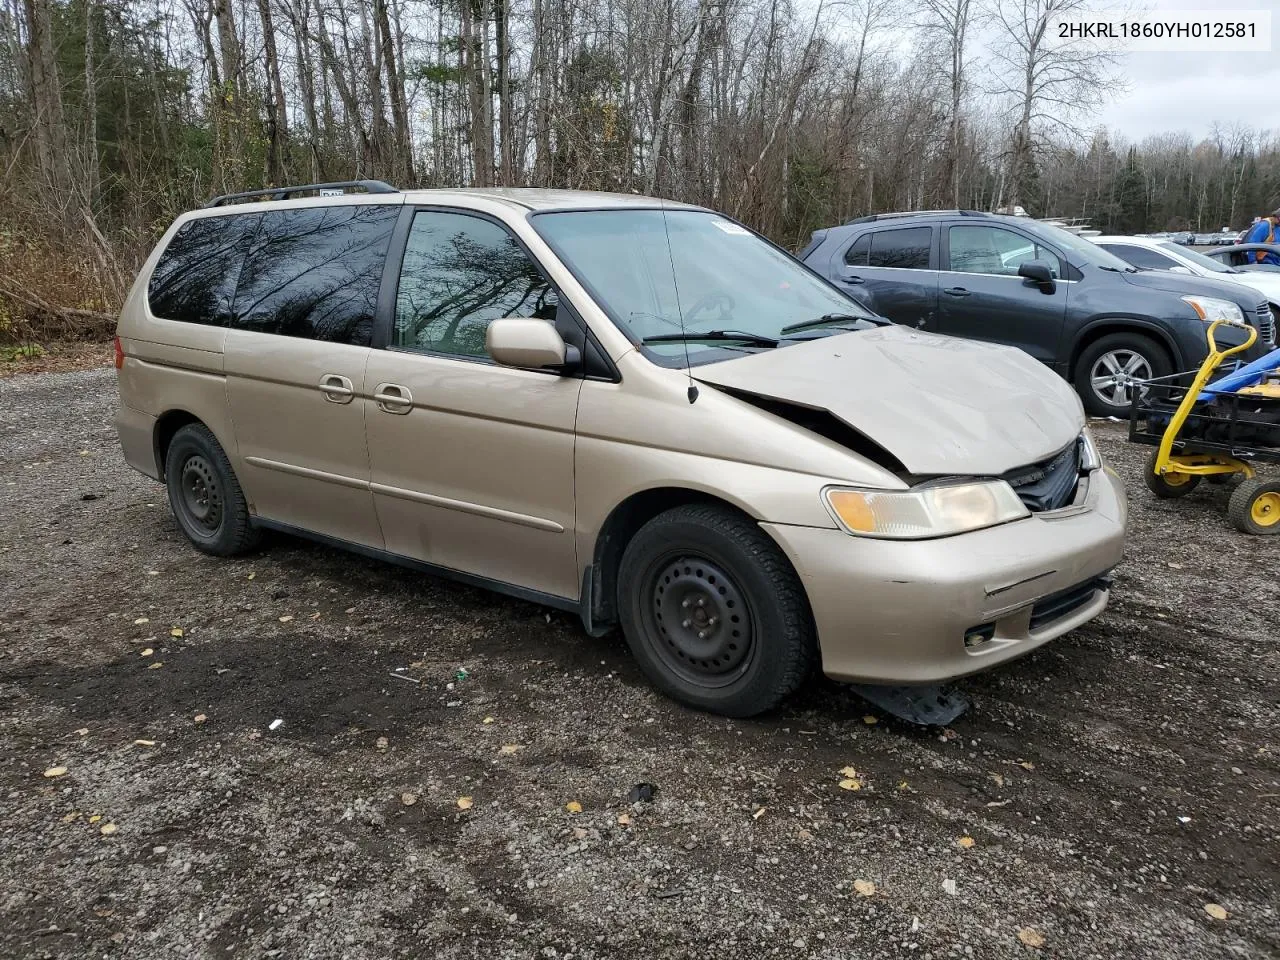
(1099, 795)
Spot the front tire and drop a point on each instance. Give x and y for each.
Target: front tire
(1168, 486)
(204, 494)
(1107, 367)
(713, 611)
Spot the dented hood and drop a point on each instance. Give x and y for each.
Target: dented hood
(941, 405)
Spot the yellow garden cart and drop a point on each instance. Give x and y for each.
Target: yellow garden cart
(1217, 431)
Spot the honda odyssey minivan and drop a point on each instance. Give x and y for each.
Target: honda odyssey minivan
(635, 410)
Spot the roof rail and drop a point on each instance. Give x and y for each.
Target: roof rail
(919, 213)
(283, 193)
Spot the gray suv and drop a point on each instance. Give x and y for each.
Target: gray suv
(1094, 319)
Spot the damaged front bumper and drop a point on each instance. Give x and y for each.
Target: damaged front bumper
(926, 611)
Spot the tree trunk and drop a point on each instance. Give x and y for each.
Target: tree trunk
(402, 151)
(277, 115)
(49, 128)
(501, 19)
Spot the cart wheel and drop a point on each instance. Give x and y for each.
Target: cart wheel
(1168, 486)
(1255, 506)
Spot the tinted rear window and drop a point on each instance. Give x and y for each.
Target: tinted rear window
(314, 273)
(859, 254)
(905, 249)
(195, 278)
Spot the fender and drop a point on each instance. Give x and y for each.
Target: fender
(1122, 322)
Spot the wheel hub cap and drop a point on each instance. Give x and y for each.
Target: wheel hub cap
(1266, 510)
(701, 618)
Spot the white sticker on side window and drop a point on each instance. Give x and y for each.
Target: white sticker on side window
(730, 227)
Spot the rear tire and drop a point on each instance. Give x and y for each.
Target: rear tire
(1168, 486)
(713, 611)
(204, 494)
(1105, 365)
(1255, 507)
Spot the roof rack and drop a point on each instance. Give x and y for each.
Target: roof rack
(919, 213)
(283, 193)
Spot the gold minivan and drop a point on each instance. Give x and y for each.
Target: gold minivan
(635, 410)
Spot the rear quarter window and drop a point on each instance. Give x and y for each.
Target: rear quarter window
(195, 278)
(314, 272)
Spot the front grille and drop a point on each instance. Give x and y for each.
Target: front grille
(1059, 605)
(1266, 325)
(1050, 484)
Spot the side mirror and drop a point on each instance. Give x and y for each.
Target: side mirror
(529, 343)
(1039, 272)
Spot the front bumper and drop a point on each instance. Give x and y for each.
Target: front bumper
(898, 611)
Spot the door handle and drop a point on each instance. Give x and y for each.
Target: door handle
(393, 398)
(852, 280)
(336, 389)
(956, 292)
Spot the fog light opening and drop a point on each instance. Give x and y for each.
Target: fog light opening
(977, 636)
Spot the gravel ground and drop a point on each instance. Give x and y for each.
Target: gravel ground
(1097, 797)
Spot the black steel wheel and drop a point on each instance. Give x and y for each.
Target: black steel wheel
(204, 494)
(705, 623)
(713, 611)
(201, 493)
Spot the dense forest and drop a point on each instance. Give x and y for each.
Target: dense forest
(116, 115)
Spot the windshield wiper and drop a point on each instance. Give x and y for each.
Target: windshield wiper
(742, 336)
(822, 321)
(1117, 269)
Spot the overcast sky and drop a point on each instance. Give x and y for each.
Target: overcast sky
(1192, 91)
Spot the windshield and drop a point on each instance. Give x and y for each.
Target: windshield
(1079, 250)
(719, 275)
(1199, 259)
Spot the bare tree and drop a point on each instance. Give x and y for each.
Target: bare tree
(1051, 83)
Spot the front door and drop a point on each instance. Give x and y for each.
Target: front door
(892, 271)
(981, 296)
(472, 462)
(302, 321)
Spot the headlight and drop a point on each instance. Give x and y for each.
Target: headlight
(1090, 457)
(930, 511)
(1211, 309)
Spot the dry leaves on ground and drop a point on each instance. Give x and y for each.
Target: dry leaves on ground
(1031, 937)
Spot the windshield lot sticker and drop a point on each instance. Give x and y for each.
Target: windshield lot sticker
(730, 227)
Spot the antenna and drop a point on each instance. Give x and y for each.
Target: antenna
(675, 285)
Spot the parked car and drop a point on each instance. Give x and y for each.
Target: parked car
(637, 411)
(1164, 255)
(1238, 255)
(1085, 313)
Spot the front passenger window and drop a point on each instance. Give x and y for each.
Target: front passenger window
(995, 251)
(459, 273)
